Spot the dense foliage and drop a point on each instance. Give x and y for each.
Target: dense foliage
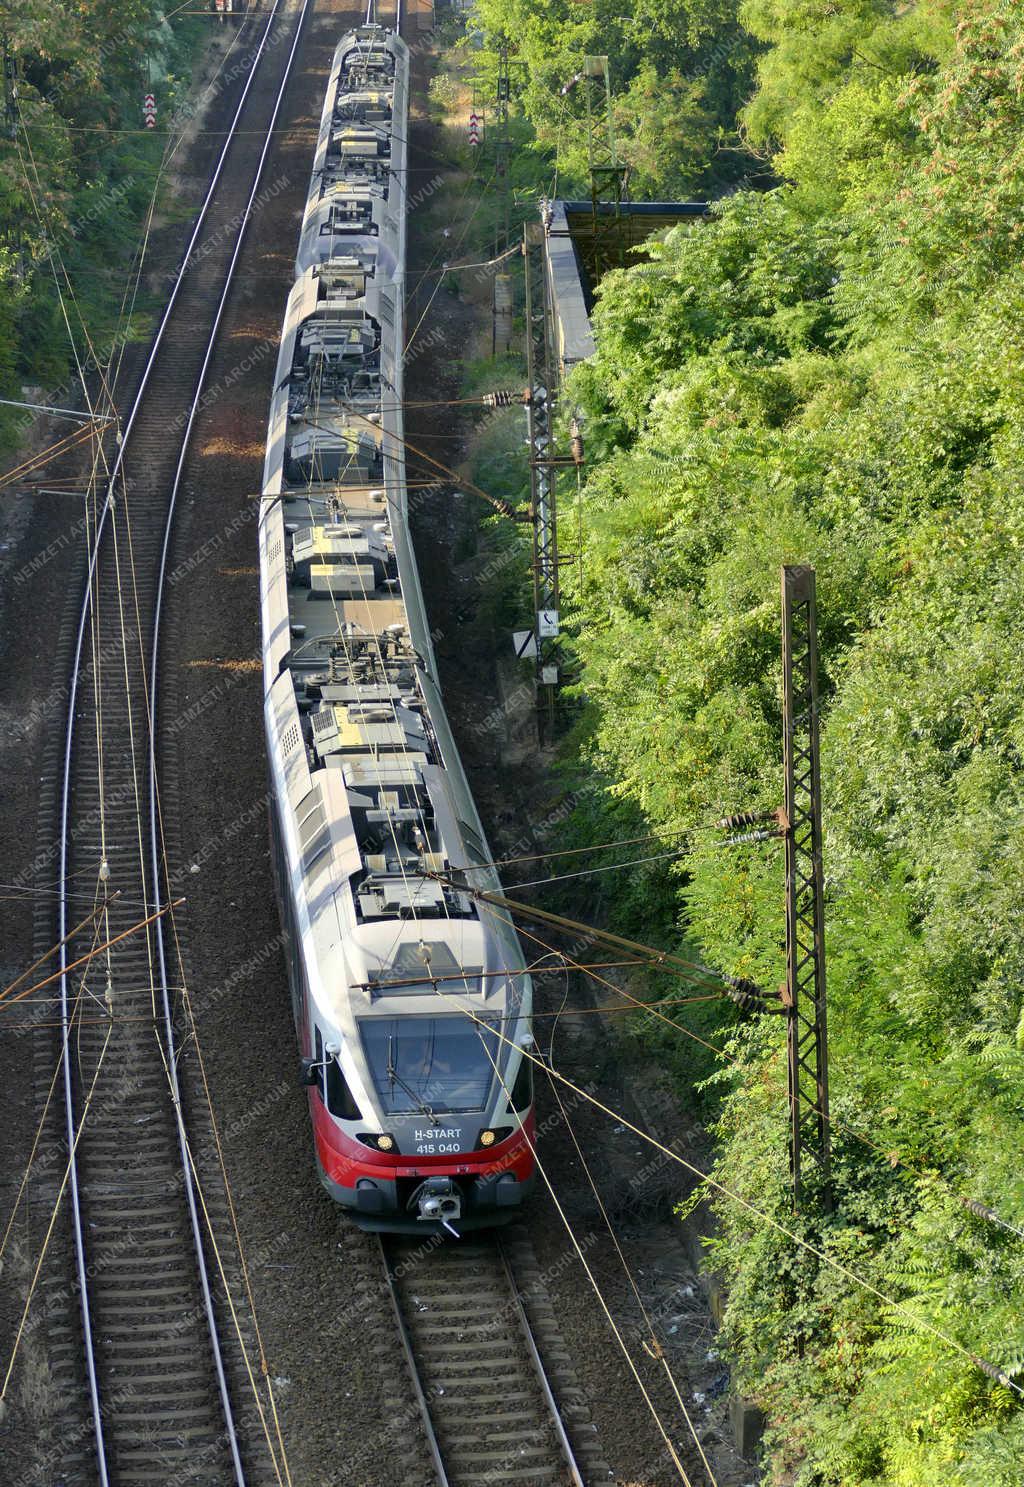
(70, 183)
(832, 371)
(679, 71)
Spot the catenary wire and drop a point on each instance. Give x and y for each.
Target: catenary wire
(658, 1350)
(567, 1224)
(839, 1267)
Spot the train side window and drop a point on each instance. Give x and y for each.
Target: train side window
(339, 1096)
(522, 1090)
(333, 1085)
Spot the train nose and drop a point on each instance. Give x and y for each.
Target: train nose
(438, 1201)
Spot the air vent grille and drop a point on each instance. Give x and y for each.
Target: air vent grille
(317, 847)
(312, 825)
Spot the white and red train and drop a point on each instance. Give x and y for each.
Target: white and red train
(411, 999)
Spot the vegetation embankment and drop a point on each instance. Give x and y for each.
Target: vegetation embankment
(77, 172)
(830, 371)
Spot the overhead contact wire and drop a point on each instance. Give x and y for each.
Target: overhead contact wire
(483, 1025)
(991, 1370)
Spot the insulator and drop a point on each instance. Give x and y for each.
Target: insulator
(751, 818)
(502, 399)
(744, 838)
(576, 443)
(745, 994)
(744, 818)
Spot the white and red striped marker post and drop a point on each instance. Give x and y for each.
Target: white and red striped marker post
(474, 128)
(149, 110)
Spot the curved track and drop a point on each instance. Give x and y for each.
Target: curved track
(488, 1410)
(158, 1375)
(165, 1381)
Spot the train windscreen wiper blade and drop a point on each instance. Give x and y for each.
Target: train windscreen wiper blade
(395, 1078)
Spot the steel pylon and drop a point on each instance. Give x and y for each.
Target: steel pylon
(804, 993)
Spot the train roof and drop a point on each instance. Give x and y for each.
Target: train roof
(380, 838)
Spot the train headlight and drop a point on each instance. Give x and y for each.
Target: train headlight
(496, 1136)
(379, 1140)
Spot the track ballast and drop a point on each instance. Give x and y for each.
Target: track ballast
(497, 1397)
(159, 1374)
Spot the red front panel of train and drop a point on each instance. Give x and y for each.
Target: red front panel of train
(345, 1161)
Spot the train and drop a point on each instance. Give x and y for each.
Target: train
(411, 996)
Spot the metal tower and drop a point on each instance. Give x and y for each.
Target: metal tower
(10, 68)
(539, 413)
(804, 992)
(607, 173)
(501, 153)
(502, 297)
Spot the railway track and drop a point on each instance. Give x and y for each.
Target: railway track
(479, 1340)
(162, 1375)
(157, 1383)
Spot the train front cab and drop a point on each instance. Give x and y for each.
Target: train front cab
(400, 1192)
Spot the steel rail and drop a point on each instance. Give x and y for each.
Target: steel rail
(70, 1130)
(155, 821)
(517, 1310)
(542, 1378)
(410, 1358)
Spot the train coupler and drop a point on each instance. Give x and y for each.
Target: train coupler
(438, 1201)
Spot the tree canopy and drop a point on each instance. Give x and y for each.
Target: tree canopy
(679, 71)
(77, 171)
(830, 371)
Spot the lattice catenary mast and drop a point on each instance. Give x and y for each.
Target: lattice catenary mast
(539, 415)
(607, 172)
(804, 992)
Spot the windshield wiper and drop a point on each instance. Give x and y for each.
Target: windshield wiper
(395, 1078)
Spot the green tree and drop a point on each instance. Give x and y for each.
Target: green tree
(831, 372)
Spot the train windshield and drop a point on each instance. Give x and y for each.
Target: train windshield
(430, 1064)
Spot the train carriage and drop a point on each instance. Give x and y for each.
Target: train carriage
(412, 1001)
